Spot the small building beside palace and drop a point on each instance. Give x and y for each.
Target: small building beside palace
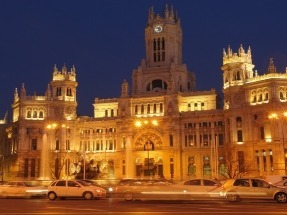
(159, 126)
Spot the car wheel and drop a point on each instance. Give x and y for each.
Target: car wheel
(281, 197)
(128, 196)
(232, 197)
(52, 196)
(88, 195)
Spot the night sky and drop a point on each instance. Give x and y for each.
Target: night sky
(104, 39)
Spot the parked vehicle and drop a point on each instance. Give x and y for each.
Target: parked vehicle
(74, 189)
(201, 188)
(23, 189)
(149, 189)
(109, 191)
(252, 188)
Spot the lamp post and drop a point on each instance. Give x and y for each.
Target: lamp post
(148, 147)
(2, 168)
(281, 117)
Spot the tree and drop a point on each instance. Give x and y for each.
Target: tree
(233, 164)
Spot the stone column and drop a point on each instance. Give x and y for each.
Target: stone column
(129, 161)
(44, 169)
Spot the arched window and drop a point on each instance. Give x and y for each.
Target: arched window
(154, 108)
(41, 114)
(34, 114)
(29, 114)
(142, 109)
(161, 108)
(158, 44)
(148, 108)
(136, 109)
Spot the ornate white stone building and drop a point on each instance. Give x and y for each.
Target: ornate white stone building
(162, 126)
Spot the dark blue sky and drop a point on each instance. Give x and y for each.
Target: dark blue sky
(104, 39)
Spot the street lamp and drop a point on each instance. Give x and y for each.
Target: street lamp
(148, 147)
(281, 117)
(2, 168)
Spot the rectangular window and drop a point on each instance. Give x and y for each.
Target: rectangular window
(34, 144)
(239, 136)
(220, 139)
(170, 140)
(26, 169)
(241, 164)
(262, 134)
(33, 168)
(124, 167)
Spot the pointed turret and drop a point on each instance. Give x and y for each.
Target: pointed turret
(16, 95)
(48, 92)
(125, 89)
(271, 68)
(23, 91)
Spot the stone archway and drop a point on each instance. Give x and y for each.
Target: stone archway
(148, 142)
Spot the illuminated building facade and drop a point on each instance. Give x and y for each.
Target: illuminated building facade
(161, 127)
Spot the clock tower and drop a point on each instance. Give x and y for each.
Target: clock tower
(163, 38)
(162, 70)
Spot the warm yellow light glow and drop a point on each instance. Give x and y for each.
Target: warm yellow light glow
(138, 124)
(268, 139)
(52, 126)
(285, 114)
(273, 116)
(145, 122)
(154, 122)
(239, 143)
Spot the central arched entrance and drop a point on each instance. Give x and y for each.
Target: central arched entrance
(149, 163)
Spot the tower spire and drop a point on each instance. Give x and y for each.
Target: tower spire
(271, 68)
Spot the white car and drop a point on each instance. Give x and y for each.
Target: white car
(23, 189)
(252, 188)
(201, 188)
(74, 189)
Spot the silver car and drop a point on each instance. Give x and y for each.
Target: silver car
(252, 188)
(74, 189)
(25, 189)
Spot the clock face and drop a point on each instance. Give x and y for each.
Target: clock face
(158, 28)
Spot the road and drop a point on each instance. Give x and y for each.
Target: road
(119, 207)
